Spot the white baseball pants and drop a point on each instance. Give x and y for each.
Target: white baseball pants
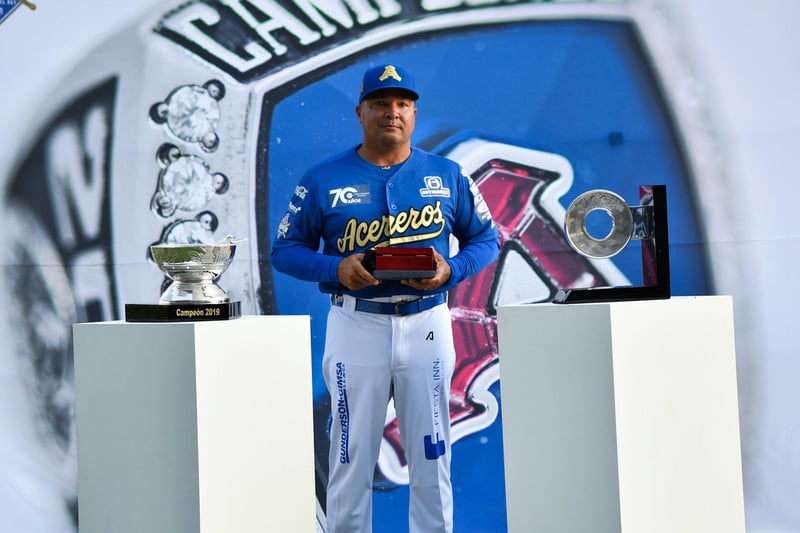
(368, 359)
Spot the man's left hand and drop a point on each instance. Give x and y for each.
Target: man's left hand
(440, 276)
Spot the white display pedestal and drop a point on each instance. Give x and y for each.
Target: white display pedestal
(621, 417)
(196, 426)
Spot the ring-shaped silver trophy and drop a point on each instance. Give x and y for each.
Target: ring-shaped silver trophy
(192, 292)
(646, 222)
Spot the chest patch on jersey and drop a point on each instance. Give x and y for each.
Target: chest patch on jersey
(433, 187)
(350, 195)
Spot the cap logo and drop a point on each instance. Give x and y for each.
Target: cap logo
(390, 72)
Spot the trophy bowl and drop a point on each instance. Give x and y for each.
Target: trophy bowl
(193, 269)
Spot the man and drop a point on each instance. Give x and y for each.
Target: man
(386, 338)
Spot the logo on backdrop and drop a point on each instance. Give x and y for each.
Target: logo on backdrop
(248, 39)
(8, 6)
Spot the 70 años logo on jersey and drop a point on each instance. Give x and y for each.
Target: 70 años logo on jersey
(354, 194)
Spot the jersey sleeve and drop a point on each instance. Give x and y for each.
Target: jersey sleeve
(294, 250)
(473, 227)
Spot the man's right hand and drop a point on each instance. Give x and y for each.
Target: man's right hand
(353, 275)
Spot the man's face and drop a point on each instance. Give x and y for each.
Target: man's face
(387, 118)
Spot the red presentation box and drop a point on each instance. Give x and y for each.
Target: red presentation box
(404, 263)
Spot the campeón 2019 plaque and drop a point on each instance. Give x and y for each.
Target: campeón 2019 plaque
(182, 312)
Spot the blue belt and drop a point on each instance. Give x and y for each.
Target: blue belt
(394, 308)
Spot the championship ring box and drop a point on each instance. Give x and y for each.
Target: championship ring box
(192, 294)
(400, 263)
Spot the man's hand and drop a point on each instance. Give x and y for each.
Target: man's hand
(440, 276)
(353, 275)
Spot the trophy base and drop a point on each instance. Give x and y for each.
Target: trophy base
(182, 312)
(612, 294)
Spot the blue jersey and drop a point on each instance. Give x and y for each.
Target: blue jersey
(352, 205)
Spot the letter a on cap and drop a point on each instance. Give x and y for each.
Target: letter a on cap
(390, 72)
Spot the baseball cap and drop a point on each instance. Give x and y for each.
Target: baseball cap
(387, 77)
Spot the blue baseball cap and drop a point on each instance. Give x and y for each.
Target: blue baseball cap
(387, 77)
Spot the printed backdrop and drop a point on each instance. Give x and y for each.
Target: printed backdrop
(194, 121)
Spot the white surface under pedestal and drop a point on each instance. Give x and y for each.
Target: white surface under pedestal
(621, 417)
(195, 427)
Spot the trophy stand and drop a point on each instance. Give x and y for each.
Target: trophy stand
(623, 416)
(195, 427)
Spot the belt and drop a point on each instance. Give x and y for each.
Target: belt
(394, 308)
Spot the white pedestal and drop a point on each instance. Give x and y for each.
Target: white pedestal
(621, 417)
(195, 427)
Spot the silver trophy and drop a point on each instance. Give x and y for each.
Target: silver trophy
(193, 269)
(622, 224)
(646, 222)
